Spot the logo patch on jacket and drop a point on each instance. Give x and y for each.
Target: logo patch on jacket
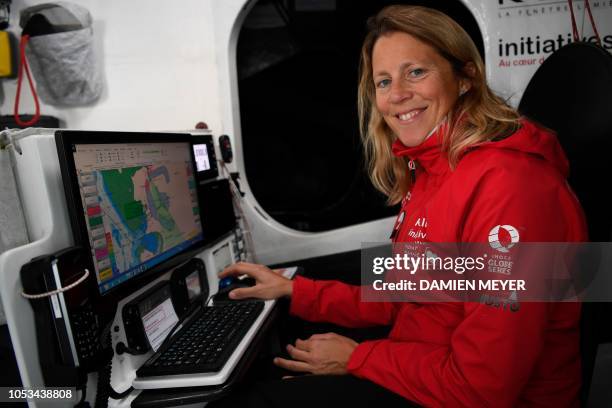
(509, 304)
(503, 237)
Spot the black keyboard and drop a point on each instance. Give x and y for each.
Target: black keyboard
(206, 343)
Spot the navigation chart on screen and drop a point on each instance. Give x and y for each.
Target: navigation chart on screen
(141, 205)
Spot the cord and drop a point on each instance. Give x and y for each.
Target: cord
(57, 291)
(102, 393)
(237, 201)
(588, 7)
(575, 26)
(23, 66)
(122, 348)
(82, 403)
(104, 389)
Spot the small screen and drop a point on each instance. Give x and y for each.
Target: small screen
(200, 151)
(222, 257)
(158, 316)
(192, 281)
(140, 204)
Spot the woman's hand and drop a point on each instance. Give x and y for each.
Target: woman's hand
(327, 353)
(270, 284)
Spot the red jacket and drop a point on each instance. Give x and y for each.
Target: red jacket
(471, 354)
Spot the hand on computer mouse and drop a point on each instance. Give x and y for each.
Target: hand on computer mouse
(229, 284)
(268, 283)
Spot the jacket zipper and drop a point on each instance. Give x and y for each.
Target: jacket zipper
(412, 170)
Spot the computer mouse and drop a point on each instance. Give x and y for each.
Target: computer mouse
(226, 285)
(225, 282)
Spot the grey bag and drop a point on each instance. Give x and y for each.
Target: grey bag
(61, 54)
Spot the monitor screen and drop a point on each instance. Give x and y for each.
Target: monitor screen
(138, 203)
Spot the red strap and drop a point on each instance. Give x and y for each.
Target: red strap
(588, 7)
(575, 27)
(23, 65)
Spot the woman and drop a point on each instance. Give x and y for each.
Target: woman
(479, 170)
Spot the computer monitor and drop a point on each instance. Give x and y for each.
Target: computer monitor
(132, 199)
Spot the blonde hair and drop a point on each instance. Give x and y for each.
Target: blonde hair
(484, 116)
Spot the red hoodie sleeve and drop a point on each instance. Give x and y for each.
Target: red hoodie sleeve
(492, 352)
(338, 303)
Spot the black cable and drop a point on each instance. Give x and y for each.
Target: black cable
(103, 385)
(83, 395)
(119, 395)
(82, 403)
(104, 390)
(122, 348)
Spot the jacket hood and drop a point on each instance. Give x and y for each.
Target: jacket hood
(536, 141)
(529, 139)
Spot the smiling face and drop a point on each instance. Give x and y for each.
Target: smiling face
(415, 86)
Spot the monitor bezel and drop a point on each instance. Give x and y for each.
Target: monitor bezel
(65, 139)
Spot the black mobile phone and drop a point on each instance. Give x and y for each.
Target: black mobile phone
(68, 329)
